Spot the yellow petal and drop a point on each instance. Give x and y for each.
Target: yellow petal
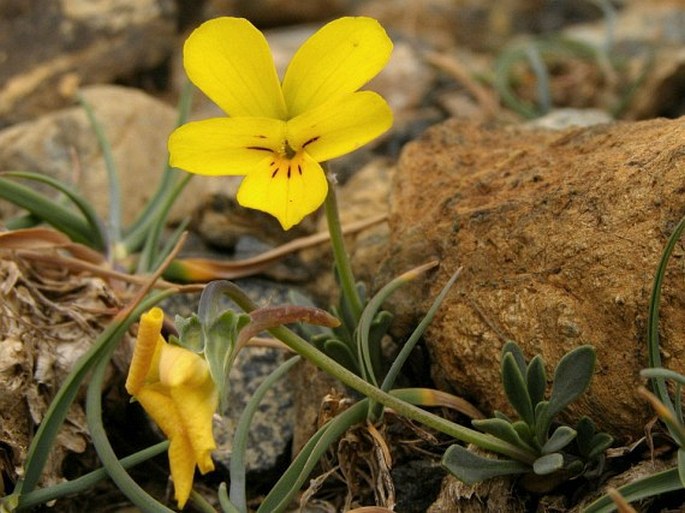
(337, 60)
(337, 128)
(195, 397)
(182, 466)
(224, 146)
(180, 367)
(196, 406)
(162, 409)
(230, 61)
(286, 189)
(147, 340)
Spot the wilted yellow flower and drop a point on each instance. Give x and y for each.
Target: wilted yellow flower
(175, 388)
(277, 133)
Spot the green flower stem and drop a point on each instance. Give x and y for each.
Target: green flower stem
(200, 503)
(342, 259)
(330, 366)
(88, 480)
(401, 407)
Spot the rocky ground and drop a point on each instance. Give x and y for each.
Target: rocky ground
(556, 201)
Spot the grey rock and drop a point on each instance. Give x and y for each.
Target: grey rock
(49, 47)
(63, 145)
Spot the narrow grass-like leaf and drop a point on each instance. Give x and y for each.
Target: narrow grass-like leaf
(680, 458)
(225, 503)
(238, 491)
(368, 315)
(548, 463)
(114, 189)
(650, 486)
(653, 349)
(86, 481)
(57, 411)
(408, 347)
(561, 437)
(49, 211)
(472, 468)
(536, 379)
(515, 388)
(116, 471)
(341, 353)
(137, 231)
(151, 255)
(97, 232)
(280, 496)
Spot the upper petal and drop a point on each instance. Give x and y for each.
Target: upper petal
(337, 128)
(230, 61)
(337, 60)
(286, 189)
(224, 146)
(147, 340)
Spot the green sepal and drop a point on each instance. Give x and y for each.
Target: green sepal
(471, 468)
(190, 333)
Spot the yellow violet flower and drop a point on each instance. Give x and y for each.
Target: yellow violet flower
(175, 388)
(278, 133)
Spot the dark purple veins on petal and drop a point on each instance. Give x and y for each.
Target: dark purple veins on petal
(310, 141)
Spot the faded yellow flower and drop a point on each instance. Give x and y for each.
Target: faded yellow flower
(175, 388)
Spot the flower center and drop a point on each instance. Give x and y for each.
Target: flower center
(286, 164)
(288, 151)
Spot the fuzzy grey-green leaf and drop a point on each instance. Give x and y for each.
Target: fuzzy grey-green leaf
(515, 388)
(562, 436)
(548, 463)
(471, 468)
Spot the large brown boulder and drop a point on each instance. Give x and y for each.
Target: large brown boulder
(559, 234)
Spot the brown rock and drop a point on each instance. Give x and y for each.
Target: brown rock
(47, 48)
(559, 234)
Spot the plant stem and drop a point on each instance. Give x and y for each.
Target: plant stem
(401, 407)
(88, 480)
(342, 259)
(330, 366)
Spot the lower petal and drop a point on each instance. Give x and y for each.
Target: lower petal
(182, 466)
(287, 189)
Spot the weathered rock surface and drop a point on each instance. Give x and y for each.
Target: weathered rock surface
(559, 234)
(63, 145)
(47, 48)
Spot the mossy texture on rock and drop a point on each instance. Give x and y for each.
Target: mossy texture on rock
(559, 233)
